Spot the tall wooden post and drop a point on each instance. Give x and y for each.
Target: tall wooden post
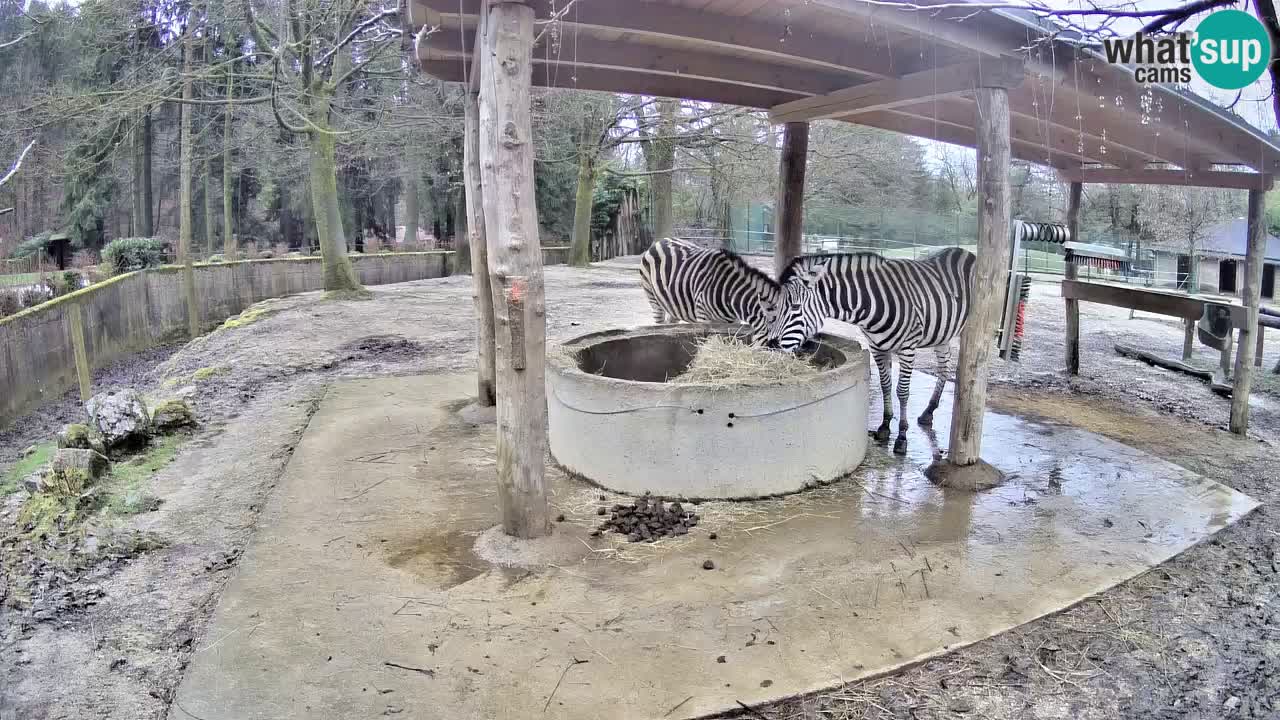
(989, 275)
(1073, 306)
(1251, 296)
(481, 293)
(515, 267)
(788, 221)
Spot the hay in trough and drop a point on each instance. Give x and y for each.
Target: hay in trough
(726, 360)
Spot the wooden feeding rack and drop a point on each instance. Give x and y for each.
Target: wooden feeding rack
(1101, 257)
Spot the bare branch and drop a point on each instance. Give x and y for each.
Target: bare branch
(328, 56)
(17, 164)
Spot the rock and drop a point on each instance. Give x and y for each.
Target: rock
(120, 417)
(217, 258)
(29, 451)
(35, 481)
(75, 435)
(171, 415)
(708, 565)
(1231, 704)
(73, 470)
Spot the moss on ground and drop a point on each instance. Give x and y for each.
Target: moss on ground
(122, 492)
(205, 373)
(126, 488)
(248, 317)
(12, 480)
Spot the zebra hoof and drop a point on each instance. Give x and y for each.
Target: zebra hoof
(925, 419)
(900, 445)
(881, 434)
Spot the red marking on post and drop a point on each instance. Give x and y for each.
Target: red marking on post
(515, 293)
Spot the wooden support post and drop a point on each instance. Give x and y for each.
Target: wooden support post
(788, 222)
(515, 268)
(1073, 306)
(1257, 351)
(481, 293)
(989, 275)
(1251, 297)
(75, 326)
(1188, 337)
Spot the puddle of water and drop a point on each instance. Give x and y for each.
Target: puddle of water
(442, 560)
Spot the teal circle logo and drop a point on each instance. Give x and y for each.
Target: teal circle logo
(1232, 49)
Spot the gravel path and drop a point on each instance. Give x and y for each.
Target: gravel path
(1197, 637)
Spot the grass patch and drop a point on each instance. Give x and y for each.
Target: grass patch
(12, 479)
(19, 279)
(125, 488)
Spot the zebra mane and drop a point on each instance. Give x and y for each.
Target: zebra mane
(748, 270)
(793, 268)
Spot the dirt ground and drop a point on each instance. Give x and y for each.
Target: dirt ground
(1199, 637)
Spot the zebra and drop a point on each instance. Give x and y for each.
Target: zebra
(686, 282)
(900, 305)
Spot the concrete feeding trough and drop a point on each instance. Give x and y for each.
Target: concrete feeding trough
(614, 419)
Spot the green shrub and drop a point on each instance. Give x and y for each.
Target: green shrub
(128, 254)
(32, 246)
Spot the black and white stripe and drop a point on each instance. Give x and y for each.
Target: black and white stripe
(900, 305)
(686, 282)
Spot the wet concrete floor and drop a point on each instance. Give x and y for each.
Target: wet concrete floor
(361, 596)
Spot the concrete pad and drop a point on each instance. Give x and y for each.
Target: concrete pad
(361, 595)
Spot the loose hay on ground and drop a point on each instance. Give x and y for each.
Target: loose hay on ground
(724, 360)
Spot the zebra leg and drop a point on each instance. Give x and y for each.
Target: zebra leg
(884, 364)
(943, 352)
(906, 362)
(659, 314)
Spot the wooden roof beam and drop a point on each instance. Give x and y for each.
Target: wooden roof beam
(1191, 178)
(710, 32)
(906, 90)
(623, 80)
(635, 57)
(960, 134)
(1029, 132)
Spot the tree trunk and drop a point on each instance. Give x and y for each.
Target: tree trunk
(463, 254)
(580, 250)
(660, 158)
(411, 208)
(482, 294)
(989, 275)
(515, 267)
(339, 275)
(139, 207)
(788, 231)
(184, 187)
(146, 221)
(228, 222)
(208, 212)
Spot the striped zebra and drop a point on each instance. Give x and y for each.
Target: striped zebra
(686, 282)
(900, 305)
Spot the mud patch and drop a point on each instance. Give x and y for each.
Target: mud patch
(380, 347)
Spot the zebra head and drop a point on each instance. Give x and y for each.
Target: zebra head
(801, 314)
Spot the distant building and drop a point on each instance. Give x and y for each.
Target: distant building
(1221, 257)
